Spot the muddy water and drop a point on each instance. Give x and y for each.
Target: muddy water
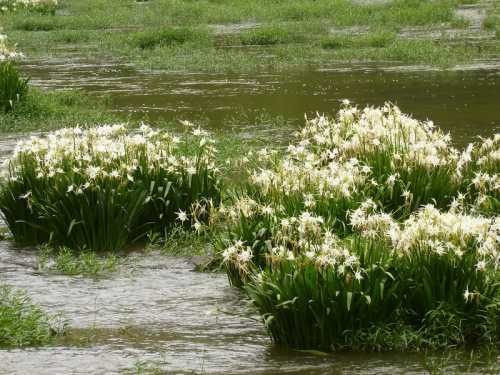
(157, 310)
(464, 101)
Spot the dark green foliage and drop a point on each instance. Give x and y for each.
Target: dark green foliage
(167, 37)
(38, 24)
(401, 303)
(13, 88)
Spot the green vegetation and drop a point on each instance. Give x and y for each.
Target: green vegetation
(250, 35)
(103, 188)
(370, 232)
(13, 88)
(166, 37)
(42, 111)
(69, 262)
(23, 323)
(271, 35)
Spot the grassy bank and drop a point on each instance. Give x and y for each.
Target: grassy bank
(249, 35)
(42, 111)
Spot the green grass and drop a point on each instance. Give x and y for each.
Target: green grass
(32, 23)
(68, 262)
(375, 40)
(491, 23)
(269, 35)
(42, 110)
(166, 37)
(23, 323)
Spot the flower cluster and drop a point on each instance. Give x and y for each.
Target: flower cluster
(302, 239)
(44, 6)
(7, 53)
(363, 133)
(434, 231)
(152, 176)
(361, 204)
(107, 152)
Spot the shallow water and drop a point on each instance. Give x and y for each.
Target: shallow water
(157, 310)
(464, 101)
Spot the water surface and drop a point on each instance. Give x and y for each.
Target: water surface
(464, 101)
(155, 309)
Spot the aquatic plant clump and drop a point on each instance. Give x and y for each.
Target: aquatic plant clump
(105, 187)
(22, 323)
(431, 281)
(41, 6)
(370, 223)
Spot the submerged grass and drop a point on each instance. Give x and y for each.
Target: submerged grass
(68, 262)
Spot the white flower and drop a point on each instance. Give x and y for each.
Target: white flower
(481, 265)
(181, 216)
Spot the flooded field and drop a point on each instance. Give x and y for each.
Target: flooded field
(156, 311)
(461, 101)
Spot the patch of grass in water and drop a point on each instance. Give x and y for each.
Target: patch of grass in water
(291, 30)
(23, 323)
(70, 36)
(168, 37)
(269, 35)
(377, 39)
(69, 262)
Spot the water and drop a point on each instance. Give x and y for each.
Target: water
(464, 101)
(155, 309)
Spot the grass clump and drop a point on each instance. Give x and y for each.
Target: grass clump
(22, 323)
(69, 262)
(371, 223)
(167, 37)
(491, 23)
(268, 35)
(13, 88)
(104, 188)
(38, 24)
(378, 39)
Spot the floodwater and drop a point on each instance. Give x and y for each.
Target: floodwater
(464, 101)
(156, 309)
